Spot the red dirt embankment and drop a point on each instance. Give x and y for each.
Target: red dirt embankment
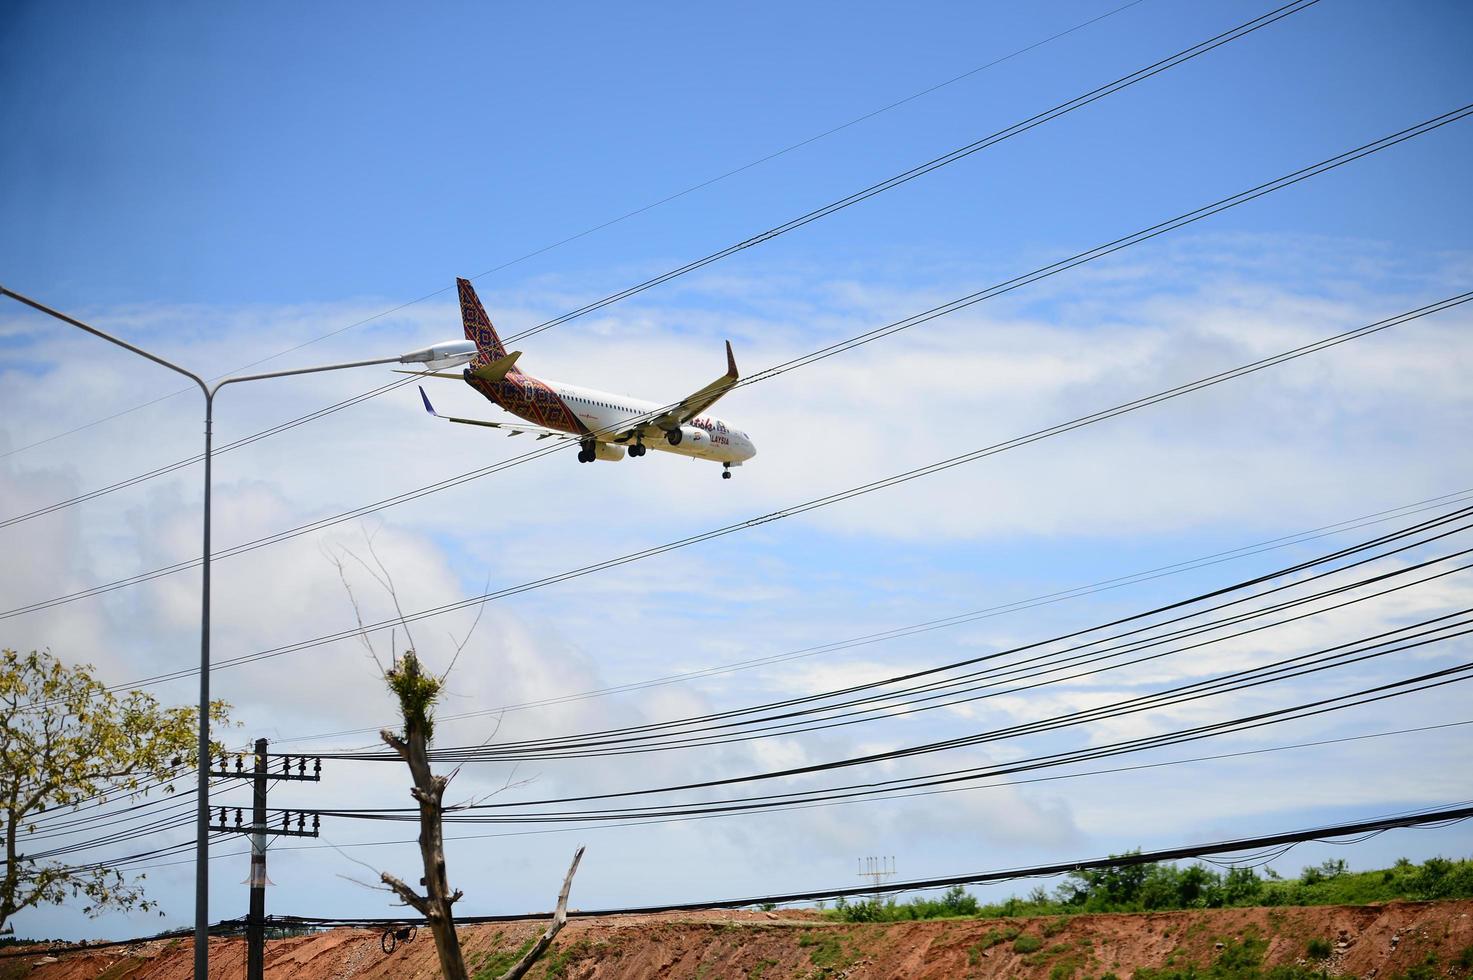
(1364, 941)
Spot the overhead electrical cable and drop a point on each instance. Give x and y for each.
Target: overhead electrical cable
(945, 622)
(1426, 817)
(832, 498)
(899, 794)
(830, 350)
(1125, 81)
(819, 711)
(1430, 816)
(181, 464)
(1151, 632)
(960, 153)
(528, 812)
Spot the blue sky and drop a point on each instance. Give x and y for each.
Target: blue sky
(224, 184)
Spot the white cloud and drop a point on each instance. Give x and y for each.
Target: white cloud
(1364, 426)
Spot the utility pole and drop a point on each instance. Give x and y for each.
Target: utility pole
(258, 829)
(877, 869)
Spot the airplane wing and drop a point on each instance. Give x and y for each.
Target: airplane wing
(511, 428)
(692, 405)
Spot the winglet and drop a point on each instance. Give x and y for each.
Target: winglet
(426, 399)
(731, 371)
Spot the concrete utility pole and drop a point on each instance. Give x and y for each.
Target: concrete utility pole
(258, 829)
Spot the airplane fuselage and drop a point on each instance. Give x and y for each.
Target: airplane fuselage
(603, 417)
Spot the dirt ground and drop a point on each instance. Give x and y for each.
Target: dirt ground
(1382, 941)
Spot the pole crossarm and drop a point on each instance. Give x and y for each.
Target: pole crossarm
(285, 830)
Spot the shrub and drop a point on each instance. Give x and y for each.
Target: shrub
(1318, 949)
(1027, 944)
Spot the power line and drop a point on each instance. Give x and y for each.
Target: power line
(945, 622)
(1182, 694)
(819, 502)
(1241, 30)
(1062, 265)
(888, 795)
(891, 699)
(1428, 817)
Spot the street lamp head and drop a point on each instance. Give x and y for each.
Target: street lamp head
(447, 353)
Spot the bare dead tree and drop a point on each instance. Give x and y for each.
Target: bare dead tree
(417, 692)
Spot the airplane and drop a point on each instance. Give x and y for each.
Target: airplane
(606, 425)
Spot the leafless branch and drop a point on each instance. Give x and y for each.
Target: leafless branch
(388, 583)
(559, 918)
(357, 610)
(480, 609)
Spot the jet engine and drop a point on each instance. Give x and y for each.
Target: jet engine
(603, 450)
(687, 435)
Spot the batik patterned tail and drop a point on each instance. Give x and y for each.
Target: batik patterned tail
(478, 325)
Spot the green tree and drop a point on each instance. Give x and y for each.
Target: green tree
(66, 739)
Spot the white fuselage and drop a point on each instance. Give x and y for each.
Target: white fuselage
(608, 414)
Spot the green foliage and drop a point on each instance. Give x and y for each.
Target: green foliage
(956, 902)
(416, 691)
(65, 739)
(556, 961)
(1151, 887)
(1027, 944)
(755, 973)
(1318, 949)
(826, 950)
(1239, 960)
(494, 964)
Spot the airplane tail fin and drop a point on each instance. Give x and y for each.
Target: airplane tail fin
(478, 326)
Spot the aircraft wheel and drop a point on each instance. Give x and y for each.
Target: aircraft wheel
(673, 437)
(584, 456)
(726, 474)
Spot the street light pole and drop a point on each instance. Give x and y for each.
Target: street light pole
(439, 355)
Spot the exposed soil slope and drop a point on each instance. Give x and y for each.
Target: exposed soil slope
(1380, 941)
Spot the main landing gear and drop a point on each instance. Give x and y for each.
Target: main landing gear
(726, 471)
(638, 449)
(587, 453)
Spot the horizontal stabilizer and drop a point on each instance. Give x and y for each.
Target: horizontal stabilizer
(498, 368)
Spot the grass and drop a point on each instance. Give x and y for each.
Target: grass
(1027, 944)
(755, 973)
(494, 964)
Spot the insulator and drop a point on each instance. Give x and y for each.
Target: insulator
(317, 768)
(301, 821)
(222, 816)
(285, 820)
(301, 765)
(239, 764)
(237, 816)
(316, 822)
